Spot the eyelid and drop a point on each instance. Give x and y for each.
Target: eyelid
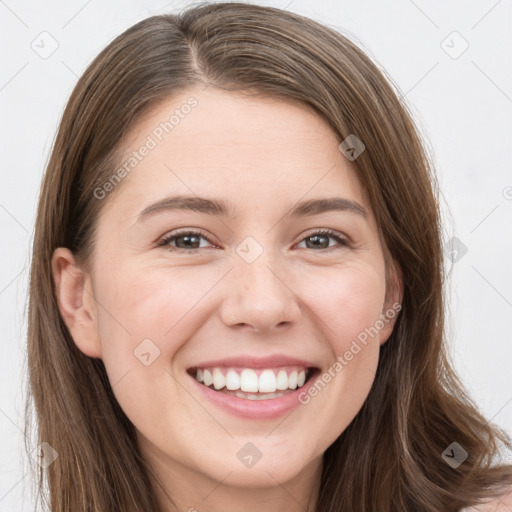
(325, 231)
(182, 232)
(343, 240)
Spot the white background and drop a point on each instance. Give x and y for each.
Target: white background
(463, 104)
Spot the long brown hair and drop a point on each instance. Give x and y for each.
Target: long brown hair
(390, 456)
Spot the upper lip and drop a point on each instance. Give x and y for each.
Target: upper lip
(247, 361)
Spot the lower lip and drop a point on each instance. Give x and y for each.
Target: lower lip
(256, 409)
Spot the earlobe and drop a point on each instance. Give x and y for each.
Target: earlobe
(76, 303)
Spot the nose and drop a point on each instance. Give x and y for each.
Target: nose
(260, 297)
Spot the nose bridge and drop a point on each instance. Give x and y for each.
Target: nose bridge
(259, 294)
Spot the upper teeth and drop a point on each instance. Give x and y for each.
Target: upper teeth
(247, 380)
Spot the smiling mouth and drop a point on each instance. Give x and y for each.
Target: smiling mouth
(254, 383)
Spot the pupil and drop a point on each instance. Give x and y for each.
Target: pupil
(316, 237)
(187, 239)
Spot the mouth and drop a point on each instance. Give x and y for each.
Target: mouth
(254, 383)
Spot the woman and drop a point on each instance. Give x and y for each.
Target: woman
(236, 298)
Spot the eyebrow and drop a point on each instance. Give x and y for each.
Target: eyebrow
(222, 209)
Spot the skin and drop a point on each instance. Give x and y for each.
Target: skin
(263, 155)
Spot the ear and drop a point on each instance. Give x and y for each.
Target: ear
(76, 301)
(392, 302)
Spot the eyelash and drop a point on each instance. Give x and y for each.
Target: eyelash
(328, 232)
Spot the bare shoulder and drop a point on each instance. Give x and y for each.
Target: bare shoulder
(501, 504)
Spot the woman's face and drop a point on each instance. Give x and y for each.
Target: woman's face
(257, 288)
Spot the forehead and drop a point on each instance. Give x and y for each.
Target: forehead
(259, 151)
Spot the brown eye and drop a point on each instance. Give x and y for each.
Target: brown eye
(320, 239)
(188, 241)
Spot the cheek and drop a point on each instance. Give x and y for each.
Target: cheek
(348, 302)
(166, 305)
(347, 306)
(150, 304)
(148, 315)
